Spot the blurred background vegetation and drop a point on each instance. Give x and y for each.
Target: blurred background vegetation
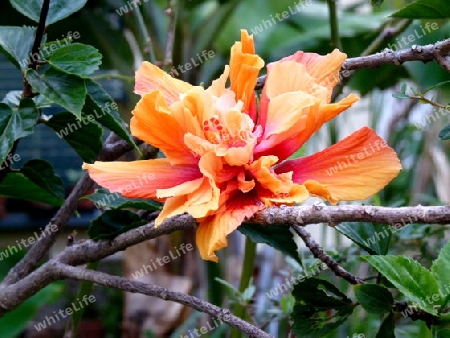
(114, 27)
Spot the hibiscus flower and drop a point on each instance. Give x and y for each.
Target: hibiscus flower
(226, 155)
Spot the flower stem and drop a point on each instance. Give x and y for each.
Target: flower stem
(246, 275)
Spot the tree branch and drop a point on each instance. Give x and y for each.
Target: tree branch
(27, 91)
(112, 149)
(87, 251)
(333, 215)
(415, 53)
(67, 271)
(438, 51)
(318, 252)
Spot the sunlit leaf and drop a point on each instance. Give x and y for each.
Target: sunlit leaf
(77, 59)
(58, 10)
(16, 44)
(418, 284)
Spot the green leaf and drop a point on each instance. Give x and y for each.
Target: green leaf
(36, 181)
(277, 236)
(319, 293)
(77, 59)
(42, 174)
(233, 292)
(400, 96)
(314, 300)
(49, 48)
(58, 10)
(103, 198)
(13, 98)
(103, 107)
(83, 135)
(443, 333)
(16, 43)
(410, 278)
(425, 9)
(403, 88)
(440, 270)
(444, 134)
(374, 298)
(66, 90)
(372, 238)
(112, 223)
(387, 327)
(16, 124)
(440, 84)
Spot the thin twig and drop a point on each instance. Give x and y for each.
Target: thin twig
(171, 12)
(318, 252)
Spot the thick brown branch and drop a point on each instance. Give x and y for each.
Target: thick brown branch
(334, 215)
(90, 251)
(66, 271)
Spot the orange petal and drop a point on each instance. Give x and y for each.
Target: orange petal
(244, 70)
(289, 111)
(198, 197)
(315, 74)
(243, 184)
(323, 68)
(311, 121)
(198, 203)
(288, 77)
(213, 230)
(196, 106)
(262, 171)
(286, 118)
(218, 87)
(140, 179)
(154, 123)
(297, 194)
(150, 77)
(353, 169)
